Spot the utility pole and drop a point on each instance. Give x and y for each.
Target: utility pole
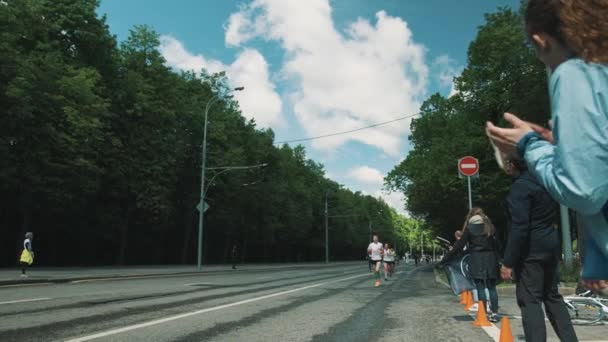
(421, 247)
(566, 238)
(326, 230)
(201, 215)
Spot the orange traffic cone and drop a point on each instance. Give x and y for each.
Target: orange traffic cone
(463, 299)
(469, 301)
(482, 319)
(505, 330)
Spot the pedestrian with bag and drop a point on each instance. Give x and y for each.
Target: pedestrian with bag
(479, 233)
(27, 255)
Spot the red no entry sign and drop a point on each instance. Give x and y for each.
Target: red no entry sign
(468, 166)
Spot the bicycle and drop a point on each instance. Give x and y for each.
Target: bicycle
(587, 308)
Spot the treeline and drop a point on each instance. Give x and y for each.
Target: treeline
(100, 156)
(502, 75)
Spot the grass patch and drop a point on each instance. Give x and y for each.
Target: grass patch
(570, 274)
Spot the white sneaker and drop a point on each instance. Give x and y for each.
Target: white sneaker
(475, 307)
(493, 318)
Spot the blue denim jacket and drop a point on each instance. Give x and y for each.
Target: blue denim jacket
(575, 170)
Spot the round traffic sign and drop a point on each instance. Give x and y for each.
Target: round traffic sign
(468, 166)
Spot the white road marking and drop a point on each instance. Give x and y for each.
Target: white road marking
(198, 312)
(22, 285)
(25, 301)
(491, 331)
(134, 277)
(519, 317)
(199, 284)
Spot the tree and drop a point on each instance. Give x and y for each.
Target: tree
(100, 156)
(502, 74)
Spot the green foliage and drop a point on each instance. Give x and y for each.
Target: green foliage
(502, 75)
(100, 156)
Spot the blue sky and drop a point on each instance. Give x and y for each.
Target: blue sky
(314, 67)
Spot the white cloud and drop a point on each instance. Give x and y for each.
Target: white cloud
(340, 81)
(447, 69)
(178, 57)
(367, 175)
(394, 199)
(259, 101)
(372, 181)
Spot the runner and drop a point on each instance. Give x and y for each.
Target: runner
(375, 251)
(389, 261)
(370, 262)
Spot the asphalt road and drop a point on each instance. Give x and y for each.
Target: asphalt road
(309, 303)
(305, 304)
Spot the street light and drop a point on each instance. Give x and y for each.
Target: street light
(204, 156)
(230, 168)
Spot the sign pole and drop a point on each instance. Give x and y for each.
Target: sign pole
(470, 198)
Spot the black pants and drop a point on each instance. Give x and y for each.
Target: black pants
(536, 285)
(24, 267)
(233, 261)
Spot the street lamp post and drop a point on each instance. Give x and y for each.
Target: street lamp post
(199, 259)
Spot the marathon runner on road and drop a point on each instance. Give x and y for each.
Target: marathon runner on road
(376, 251)
(389, 261)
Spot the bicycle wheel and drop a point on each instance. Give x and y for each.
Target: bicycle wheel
(584, 312)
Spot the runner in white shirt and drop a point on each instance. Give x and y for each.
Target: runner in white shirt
(389, 261)
(376, 252)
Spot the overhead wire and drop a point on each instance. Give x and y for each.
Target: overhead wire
(349, 131)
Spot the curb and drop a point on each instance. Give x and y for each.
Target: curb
(508, 290)
(108, 277)
(66, 280)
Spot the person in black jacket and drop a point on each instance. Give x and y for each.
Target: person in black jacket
(532, 251)
(478, 231)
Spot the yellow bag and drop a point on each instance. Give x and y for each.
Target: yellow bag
(27, 257)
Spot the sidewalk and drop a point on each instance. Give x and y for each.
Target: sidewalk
(12, 276)
(508, 307)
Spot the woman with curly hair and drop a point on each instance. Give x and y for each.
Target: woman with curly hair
(571, 38)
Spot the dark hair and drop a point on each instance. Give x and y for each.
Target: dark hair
(579, 24)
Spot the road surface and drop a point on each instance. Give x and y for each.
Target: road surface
(333, 303)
